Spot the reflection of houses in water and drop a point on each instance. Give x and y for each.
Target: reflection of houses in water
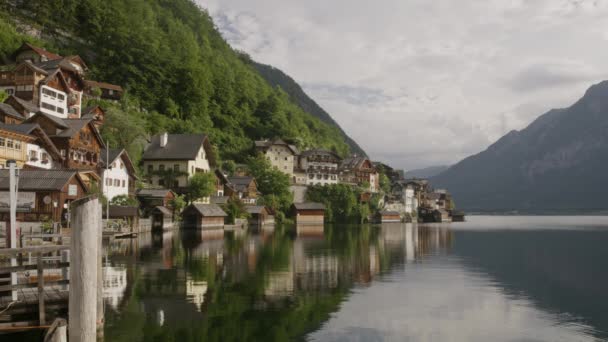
(114, 285)
(416, 241)
(195, 291)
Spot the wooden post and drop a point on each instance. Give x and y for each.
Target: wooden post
(41, 313)
(65, 272)
(86, 220)
(100, 307)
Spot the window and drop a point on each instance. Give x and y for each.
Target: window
(176, 167)
(9, 143)
(124, 183)
(311, 176)
(63, 153)
(33, 155)
(2, 141)
(10, 91)
(161, 167)
(192, 170)
(48, 106)
(150, 168)
(45, 156)
(161, 182)
(285, 158)
(117, 182)
(111, 92)
(29, 87)
(60, 110)
(61, 97)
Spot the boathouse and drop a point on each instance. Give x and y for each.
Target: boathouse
(161, 217)
(387, 216)
(203, 216)
(308, 213)
(259, 215)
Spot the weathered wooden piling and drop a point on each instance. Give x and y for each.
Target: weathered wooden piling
(84, 277)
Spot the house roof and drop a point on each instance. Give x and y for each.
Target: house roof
(38, 50)
(109, 156)
(59, 122)
(164, 210)
(10, 111)
(320, 151)
(153, 192)
(33, 67)
(102, 85)
(254, 209)
(353, 162)
(208, 210)
(35, 130)
(179, 147)
(27, 105)
(39, 180)
(265, 144)
(88, 112)
(241, 183)
(309, 206)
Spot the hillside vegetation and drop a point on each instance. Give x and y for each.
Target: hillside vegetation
(180, 74)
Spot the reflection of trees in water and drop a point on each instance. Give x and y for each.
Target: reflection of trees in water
(262, 286)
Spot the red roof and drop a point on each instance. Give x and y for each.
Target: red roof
(40, 51)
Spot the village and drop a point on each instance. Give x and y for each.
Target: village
(54, 137)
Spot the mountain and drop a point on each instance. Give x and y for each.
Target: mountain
(278, 78)
(179, 72)
(426, 172)
(558, 162)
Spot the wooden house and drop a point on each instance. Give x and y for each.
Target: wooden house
(13, 146)
(259, 215)
(308, 213)
(161, 217)
(244, 188)
(23, 107)
(358, 171)
(387, 216)
(9, 115)
(203, 216)
(107, 91)
(41, 153)
(149, 199)
(95, 113)
(45, 194)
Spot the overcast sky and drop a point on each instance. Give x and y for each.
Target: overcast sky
(426, 82)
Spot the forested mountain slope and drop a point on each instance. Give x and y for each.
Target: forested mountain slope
(175, 65)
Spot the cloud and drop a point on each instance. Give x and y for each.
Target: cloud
(421, 82)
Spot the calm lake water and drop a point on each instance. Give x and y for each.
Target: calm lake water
(488, 279)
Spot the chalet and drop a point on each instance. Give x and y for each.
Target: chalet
(25, 108)
(308, 213)
(96, 113)
(282, 156)
(244, 188)
(46, 193)
(152, 198)
(72, 70)
(386, 216)
(221, 182)
(78, 140)
(358, 171)
(259, 215)
(34, 54)
(202, 216)
(182, 154)
(321, 166)
(106, 91)
(13, 146)
(117, 173)
(41, 153)
(8, 114)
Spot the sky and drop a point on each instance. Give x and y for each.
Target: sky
(421, 83)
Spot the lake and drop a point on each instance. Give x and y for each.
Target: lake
(492, 278)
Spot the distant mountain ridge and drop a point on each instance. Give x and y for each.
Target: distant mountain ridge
(276, 77)
(558, 162)
(426, 172)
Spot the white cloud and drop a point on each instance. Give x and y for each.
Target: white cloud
(421, 82)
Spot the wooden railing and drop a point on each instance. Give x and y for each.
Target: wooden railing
(42, 263)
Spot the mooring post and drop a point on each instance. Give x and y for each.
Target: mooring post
(41, 308)
(100, 307)
(86, 221)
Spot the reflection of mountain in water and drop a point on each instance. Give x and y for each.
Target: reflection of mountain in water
(560, 271)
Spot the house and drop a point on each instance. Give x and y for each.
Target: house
(389, 216)
(46, 193)
(25, 108)
(308, 213)
(358, 171)
(96, 113)
(203, 216)
(221, 182)
(117, 173)
(441, 215)
(106, 91)
(183, 154)
(244, 188)
(41, 153)
(13, 146)
(282, 156)
(152, 198)
(9, 115)
(34, 54)
(259, 215)
(161, 217)
(78, 140)
(321, 166)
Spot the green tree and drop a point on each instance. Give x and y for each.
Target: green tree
(235, 210)
(3, 95)
(178, 203)
(385, 183)
(201, 185)
(169, 176)
(229, 166)
(272, 183)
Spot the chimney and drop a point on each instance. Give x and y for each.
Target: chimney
(163, 139)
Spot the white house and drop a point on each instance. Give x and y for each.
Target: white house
(118, 174)
(187, 154)
(321, 166)
(41, 153)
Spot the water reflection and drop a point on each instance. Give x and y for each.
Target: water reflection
(389, 282)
